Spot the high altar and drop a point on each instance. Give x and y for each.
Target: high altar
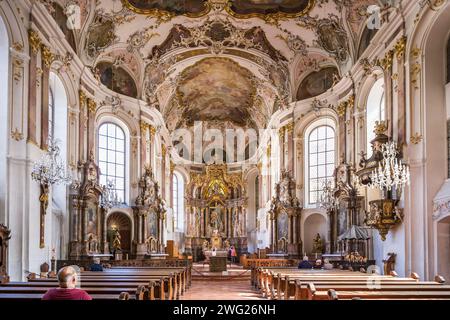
(216, 211)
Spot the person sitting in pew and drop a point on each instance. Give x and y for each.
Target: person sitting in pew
(305, 264)
(96, 266)
(67, 278)
(327, 265)
(318, 264)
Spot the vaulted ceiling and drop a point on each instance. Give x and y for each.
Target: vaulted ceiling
(229, 61)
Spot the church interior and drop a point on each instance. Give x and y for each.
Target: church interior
(226, 149)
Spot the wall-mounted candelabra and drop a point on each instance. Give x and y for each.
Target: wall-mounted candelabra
(385, 171)
(48, 171)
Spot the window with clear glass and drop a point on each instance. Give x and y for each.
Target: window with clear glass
(376, 111)
(111, 157)
(178, 200)
(321, 161)
(51, 114)
(175, 200)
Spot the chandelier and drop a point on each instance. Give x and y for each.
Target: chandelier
(391, 173)
(327, 199)
(51, 169)
(109, 197)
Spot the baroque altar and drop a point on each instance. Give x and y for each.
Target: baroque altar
(149, 215)
(88, 230)
(216, 211)
(285, 213)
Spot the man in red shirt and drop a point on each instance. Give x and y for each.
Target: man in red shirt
(67, 290)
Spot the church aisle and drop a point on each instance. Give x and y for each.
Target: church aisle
(233, 289)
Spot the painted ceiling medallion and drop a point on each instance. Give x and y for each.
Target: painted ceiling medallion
(269, 9)
(216, 89)
(168, 9)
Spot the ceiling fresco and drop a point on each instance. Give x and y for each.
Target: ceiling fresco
(216, 89)
(190, 8)
(191, 59)
(261, 8)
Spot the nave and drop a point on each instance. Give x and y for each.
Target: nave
(146, 145)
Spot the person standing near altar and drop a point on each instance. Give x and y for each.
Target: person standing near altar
(233, 254)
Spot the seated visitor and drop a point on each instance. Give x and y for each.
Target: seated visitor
(318, 264)
(305, 264)
(96, 266)
(327, 265)
(67, 278)
(214, 252)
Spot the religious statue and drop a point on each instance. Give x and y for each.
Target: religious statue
(216, 240)
(117, 246)
(317, 244)
(205, 245)
(92, 243)
(215, 222)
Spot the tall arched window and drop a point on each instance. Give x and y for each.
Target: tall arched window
(178, 200)
(375, 110)
(321, 160)
(111, 157)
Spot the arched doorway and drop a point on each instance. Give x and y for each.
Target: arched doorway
(121, 222)
(314, 224)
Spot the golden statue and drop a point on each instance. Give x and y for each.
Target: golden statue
(317, 244)
(117, 246)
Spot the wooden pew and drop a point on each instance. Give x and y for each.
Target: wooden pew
(173, 284)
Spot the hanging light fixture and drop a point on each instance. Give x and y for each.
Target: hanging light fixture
(391, 172)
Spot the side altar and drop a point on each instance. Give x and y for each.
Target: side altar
(216, 212)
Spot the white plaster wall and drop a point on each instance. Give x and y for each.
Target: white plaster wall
(264, 229)
(4, 90)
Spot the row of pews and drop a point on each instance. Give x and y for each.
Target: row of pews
(292, 283)
(123, 283)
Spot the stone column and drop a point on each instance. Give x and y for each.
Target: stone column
(290, 227)
(294, 229)
(274, 235)
(282, 139)
(82, 125)
(92, 107)
(290, 147)
(47, 60)
(143, 127)
(35, 47)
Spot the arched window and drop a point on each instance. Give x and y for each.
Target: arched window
(178, 200)
(51, 114)
(375, 110)
(111, 157)
(321, 160)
